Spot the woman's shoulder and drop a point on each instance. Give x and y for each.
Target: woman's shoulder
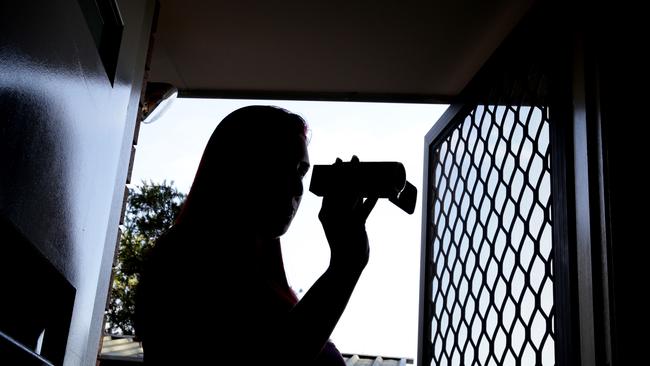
(167, 254)
(174, 245)
(162, 246)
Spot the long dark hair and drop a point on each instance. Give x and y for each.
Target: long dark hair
(225, 169)
(224, 180)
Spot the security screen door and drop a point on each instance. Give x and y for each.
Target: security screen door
(505, 262)
(487, 253)
(515, 247)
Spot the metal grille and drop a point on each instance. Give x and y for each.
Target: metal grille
(490, 242)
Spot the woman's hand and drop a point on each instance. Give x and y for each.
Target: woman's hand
(311, 322)
(343, 217)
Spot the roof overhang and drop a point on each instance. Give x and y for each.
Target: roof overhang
(417, 51)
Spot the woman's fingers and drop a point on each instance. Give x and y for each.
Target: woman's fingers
(367, 206)
(350, 205)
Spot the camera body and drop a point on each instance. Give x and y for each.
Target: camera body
(369, 179)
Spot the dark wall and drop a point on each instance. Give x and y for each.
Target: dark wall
(617, 45)
(66, 132)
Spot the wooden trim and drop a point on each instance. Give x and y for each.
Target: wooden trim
(562, 229)
(28, 353)
(592, 215)
(317, 96)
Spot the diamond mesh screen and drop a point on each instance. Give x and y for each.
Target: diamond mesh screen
(489, 241)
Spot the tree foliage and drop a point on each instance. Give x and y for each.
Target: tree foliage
(150, 211)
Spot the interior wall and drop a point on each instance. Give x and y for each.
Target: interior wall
(65, 140)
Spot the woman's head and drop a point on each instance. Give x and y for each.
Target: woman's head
(251, 171)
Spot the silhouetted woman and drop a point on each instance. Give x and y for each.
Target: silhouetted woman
(214, 289)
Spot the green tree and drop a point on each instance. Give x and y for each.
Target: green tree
(150, 210)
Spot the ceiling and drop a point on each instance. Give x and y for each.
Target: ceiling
(418, 51)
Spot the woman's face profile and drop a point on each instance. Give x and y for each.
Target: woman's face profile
(279, 185)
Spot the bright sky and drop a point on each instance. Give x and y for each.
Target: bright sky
(382, 315)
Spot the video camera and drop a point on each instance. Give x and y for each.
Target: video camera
(370, 179)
